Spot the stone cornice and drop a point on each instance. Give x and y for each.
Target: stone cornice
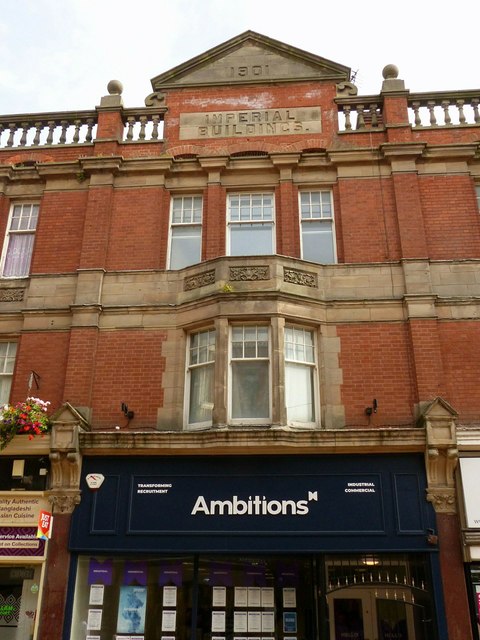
(254, 441)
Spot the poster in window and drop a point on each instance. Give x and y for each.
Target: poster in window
(253, 596)
(131, 609)
(218, 621)
(240, 622)
(94, 620)
(169, 596)
(268, 621)
(289, 622)
(267, 598)
(96, 595)
(241, 597)
(254, 622)
(289, 598)
(219, 597)
(169, 620)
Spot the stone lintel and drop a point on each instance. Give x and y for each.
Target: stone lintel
(403, 150)
(94, 164)
(279, 440)
(450, 151)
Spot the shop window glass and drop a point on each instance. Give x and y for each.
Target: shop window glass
(148, 597)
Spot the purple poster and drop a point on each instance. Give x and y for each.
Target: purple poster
(100, 572)
(135, 573)
(171, 574)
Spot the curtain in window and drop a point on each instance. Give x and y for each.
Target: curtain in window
(201, 394)
(19, 254)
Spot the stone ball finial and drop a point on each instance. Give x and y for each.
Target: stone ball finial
(390, 72)
(115, 88)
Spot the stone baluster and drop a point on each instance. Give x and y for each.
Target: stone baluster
(143, 124)
(431, 109)
(416, 113)
(131, 124)
(461, 114)
(374, 115)
(2, 128)
(348, 123)
(445, 106)
(51, 128)
(13, 127)
(90, 124)
(38, 130)
(476, 114)
(25, 127)
(360, 116)
(76, 135)
(156, 121)
(63, 136)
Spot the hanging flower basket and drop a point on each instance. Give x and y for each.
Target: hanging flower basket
(28, 418)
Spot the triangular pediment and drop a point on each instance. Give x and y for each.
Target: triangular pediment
(250, 58)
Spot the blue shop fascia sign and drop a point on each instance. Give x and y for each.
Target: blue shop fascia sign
(239, 503)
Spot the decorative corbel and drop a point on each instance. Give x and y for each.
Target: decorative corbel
(65, 459)
(441, 454)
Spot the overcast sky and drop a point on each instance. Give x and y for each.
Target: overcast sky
(58, 55)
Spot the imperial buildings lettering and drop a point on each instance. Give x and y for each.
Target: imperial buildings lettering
(257, 122)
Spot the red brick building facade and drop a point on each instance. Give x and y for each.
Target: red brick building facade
(259, 271)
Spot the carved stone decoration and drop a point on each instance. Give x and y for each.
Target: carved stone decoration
(11, 295)
(303, 278)
(65, 459)
(345, 89)
(250, 273)
(200, 280)
(155, 99)
(441, 455)
(64, 503)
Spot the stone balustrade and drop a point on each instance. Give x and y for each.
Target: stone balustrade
(70, 127)
(444, 109)
(360, 113)
(425, 110)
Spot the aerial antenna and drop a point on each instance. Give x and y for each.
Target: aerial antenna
(353, 76)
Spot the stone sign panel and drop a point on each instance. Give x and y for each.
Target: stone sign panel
(250, 122)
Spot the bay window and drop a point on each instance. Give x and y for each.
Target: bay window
(299, 376)
(250, 374)
(185, 231)
(8, 351)
(317, 228)
(250, 224)
(18, 246)
(201, 362)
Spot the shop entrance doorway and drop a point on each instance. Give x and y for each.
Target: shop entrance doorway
(19, 588)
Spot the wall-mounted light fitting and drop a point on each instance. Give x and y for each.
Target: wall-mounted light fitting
(126, 411)
(372, 409)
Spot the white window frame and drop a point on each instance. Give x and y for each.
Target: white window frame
(319, 217)
(13, 234)
(7, 366)
(196, 364)
(300, 351)
(246, 421)
(253, 215)
(187, 222)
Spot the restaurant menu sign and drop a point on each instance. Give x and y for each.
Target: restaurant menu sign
(19, 517)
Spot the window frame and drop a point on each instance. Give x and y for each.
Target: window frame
(184, 225)
(192, 426)
(312, 366)
(11, 233)
(317, 219)
(236, 224)
(257, 421)
(6, 375)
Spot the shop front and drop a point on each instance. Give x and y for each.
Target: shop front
(470, 473)
(22, 562)
(259, 547)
